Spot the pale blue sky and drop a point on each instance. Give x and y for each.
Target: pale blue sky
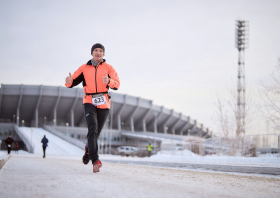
(177, 53)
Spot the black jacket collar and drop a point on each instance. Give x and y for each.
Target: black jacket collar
(101, 62)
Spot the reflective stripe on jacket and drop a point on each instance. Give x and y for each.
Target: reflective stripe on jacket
(92, 78)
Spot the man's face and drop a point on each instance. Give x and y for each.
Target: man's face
(97, 54)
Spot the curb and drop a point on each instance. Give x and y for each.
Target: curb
(213, 167)
(3, 160)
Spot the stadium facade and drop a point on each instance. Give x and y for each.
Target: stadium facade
(61, 108)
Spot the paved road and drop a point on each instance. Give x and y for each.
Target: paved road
(38, 177)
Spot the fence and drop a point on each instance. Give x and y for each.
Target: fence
(266, 143)
(249, 145)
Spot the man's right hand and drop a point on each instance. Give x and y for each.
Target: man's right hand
(68, 79)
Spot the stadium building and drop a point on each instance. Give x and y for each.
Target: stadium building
(132, 121)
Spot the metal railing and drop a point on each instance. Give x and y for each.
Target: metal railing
(71, 130)
(27, 141)
(265, 143)
(65, 137)
(248, 145)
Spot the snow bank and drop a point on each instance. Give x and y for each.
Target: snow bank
(59, 147)
(188, 156)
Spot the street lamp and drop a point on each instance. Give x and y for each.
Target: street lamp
(45, 120)
(31, 134)
(107, 137)
(67, 124)
(22, 123)
(110, 136)
(14, 118)
(102, 145)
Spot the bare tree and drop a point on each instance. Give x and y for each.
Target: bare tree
(225, 122)
(223, 118)
(270, 95)
(227, 113)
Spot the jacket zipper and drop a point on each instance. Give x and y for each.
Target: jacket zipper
(95, 77)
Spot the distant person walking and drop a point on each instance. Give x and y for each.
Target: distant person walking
(16, 147)
(9, 142)
(97, 77)
(45, 142)
(149, 149)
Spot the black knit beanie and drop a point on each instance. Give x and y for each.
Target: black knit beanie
(98, 45)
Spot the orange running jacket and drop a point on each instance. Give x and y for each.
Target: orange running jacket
(92, 78)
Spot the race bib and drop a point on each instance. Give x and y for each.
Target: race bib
(98, 99)
(9, 145)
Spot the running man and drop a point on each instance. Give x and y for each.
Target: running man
(45, 142)
(9, 142)
(97, 76)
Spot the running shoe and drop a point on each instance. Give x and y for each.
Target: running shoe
(96, 166)
(86, 155)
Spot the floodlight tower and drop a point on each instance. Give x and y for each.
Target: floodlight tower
(241, 43)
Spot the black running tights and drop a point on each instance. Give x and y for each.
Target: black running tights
(95, 118)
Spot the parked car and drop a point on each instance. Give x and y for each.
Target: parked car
(127, 151)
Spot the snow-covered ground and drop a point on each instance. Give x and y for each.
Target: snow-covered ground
(47, 177)
(56, 145)
(2, 154)
(30, 175)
